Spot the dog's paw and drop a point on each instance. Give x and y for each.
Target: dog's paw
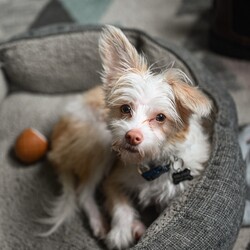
(138, 229)
(119, 238)
(99, 228)
(124, 237)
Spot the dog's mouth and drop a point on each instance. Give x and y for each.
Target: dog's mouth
(120, 148)
(128, 153)
(130, 149)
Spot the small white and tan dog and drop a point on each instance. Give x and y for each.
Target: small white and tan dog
(154, 124)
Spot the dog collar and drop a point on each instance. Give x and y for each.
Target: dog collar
(151, 172)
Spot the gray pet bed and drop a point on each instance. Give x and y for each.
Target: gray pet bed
(43, 70)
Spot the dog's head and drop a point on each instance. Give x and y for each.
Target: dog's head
(147, 110)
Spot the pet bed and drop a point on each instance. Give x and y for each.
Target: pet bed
(44, 69)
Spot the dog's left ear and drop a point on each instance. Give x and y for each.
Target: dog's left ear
(189, 97)
(118, 55)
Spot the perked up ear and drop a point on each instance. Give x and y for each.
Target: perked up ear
(118, 55)
(188, 96)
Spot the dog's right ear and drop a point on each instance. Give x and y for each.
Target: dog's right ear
(118, 55)
(189, 97)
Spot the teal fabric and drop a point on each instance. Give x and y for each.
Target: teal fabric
(86, 11)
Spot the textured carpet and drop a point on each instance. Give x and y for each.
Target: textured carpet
(184, 22)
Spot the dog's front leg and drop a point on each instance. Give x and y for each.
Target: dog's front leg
(86, 199)
(126, 228)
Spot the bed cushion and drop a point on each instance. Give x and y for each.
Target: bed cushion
(44, 69)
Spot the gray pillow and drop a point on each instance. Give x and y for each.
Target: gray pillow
(48, 67)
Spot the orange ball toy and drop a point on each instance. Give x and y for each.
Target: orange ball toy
(30, 146)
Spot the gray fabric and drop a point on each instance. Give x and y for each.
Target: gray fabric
(36, 66)
(244, 141)
(208, 216)
(3, 85)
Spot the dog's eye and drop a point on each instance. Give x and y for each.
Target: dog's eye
(125, 109)
(160, 117)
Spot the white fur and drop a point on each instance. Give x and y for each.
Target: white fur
(121, 235)
(63, 208)
(88, 204)
(148, 96)
(143, 89)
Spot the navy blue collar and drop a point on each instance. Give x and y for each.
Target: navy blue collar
(155, 171)
(151, 172)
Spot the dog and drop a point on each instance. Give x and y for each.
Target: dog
(140, 134)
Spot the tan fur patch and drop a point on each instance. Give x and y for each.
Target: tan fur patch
(189, 100)
(177, 131)
(190, 97)
(94, 98)
(72, 148)
(184, 128)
